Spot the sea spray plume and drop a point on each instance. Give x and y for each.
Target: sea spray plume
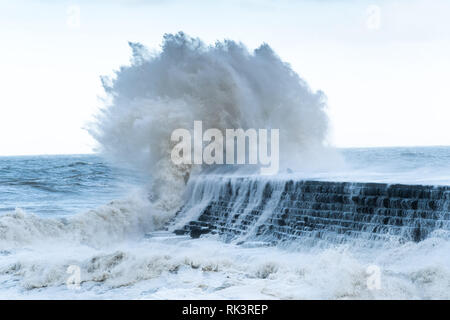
(225, 86)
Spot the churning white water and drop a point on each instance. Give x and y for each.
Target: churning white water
(122, 251)
(173, 267)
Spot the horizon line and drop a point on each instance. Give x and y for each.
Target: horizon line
(99, 153)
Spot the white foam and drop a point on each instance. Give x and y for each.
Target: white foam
(117, 221)
(209, 269)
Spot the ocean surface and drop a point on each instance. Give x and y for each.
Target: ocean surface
(60, 185)
(72, 217)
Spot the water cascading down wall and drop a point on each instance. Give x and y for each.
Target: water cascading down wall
(242, 209)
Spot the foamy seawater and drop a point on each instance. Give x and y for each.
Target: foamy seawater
(62, 211)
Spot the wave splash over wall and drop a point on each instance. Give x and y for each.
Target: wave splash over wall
(307, 213)
(224, 85)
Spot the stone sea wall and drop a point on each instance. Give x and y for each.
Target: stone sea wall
(241, 209)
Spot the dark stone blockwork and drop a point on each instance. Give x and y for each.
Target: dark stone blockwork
(334, 211)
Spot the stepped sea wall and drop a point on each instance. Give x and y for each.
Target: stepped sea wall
(279, 210)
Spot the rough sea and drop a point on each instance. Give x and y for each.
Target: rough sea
(77, 227)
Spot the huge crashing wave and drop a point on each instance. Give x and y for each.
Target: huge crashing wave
(224, 85)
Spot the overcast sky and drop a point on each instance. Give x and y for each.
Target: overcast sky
(384, 65)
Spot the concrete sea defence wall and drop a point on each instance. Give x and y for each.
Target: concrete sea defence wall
(245, 208)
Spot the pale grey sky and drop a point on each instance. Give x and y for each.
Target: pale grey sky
(384, 65)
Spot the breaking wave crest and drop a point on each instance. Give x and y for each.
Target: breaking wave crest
(120, 220)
